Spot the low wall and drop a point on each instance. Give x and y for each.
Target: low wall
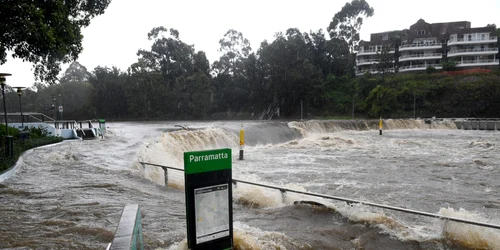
(128, 233)
(478, 125)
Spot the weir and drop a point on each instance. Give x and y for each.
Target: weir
(478, 123)
(347, 200)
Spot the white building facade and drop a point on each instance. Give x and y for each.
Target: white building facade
(427, 45)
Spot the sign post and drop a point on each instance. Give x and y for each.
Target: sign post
(209, 202)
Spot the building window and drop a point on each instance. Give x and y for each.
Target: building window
(469, 37)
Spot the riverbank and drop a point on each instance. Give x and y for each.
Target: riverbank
(31, 139)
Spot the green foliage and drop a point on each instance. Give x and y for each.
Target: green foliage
(14, 132)
(21, 146)
(171, 80)
(449, 66)
(45, 33)
(385, 60)
(430, 70)
(347, 22)
(36, 133)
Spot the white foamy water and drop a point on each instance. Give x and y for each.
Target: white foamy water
(428, 167)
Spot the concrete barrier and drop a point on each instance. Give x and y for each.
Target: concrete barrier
(128, 234)
(490, 125)
(466, 125)
(459, 124)
(482, 125)
(497, 124)
(474, 125)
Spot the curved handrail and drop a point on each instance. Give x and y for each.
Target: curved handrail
(350, 201)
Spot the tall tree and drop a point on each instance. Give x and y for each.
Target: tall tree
(231, 83)
(234, 48)
(45, 33)
(109, 93)
(347, 22)
(76, 73)
(168, 55)
(385, 60)
(289, 71)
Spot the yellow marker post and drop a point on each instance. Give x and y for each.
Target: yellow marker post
(380, 126)
(242, 141)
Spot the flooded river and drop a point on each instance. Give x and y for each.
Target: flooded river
(71, 195)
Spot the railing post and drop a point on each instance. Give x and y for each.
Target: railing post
(283, 195)
(165, 173)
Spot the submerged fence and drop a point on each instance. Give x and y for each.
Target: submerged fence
(349, 201)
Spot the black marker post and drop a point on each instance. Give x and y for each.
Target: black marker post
(209, 199)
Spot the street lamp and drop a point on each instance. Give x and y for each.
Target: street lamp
(8, 139)
(54, 108)
(20, 93)
(60, 107)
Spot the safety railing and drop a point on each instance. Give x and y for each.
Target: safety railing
(495, 50)
(347, 200)
(421, 55)
(420, 45)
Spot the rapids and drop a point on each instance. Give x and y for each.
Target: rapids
(70, 195)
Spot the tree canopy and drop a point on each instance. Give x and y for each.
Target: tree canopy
(45, 33)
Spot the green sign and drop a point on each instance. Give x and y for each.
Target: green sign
(209, 210)
(206, 161)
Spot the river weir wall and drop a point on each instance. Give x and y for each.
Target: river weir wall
(478, 124)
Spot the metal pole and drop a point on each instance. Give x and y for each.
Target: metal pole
(21, 110)
(60, 104)
(301, 110)
(20, 93)
(242, 142)
(414, 102)
(352, 111)
(4, 108)
(54, 106)
(9, 147)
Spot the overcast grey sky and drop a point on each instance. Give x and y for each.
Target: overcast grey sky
(113, 38)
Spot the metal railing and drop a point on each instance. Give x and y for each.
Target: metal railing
(472, 50)
(421, 55)
(374, 51)
(490, 39)
(477, 61)
(420, 66)
(347, 200)
(367, 61)
(420, 45)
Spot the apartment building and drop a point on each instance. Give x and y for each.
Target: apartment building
(426, 45)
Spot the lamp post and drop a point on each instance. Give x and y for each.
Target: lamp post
(54, 108)
(8, 139)
(61, 107)
(20, 93)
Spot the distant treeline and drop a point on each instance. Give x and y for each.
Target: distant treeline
(114, 95)
(173, 81)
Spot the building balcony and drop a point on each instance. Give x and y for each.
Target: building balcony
(420, 57)
(473, 52)
(373, 71)
(371, 52)
(492, 39)
(478, 62)
(366, 61)
(419, 46)
(419, 67)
